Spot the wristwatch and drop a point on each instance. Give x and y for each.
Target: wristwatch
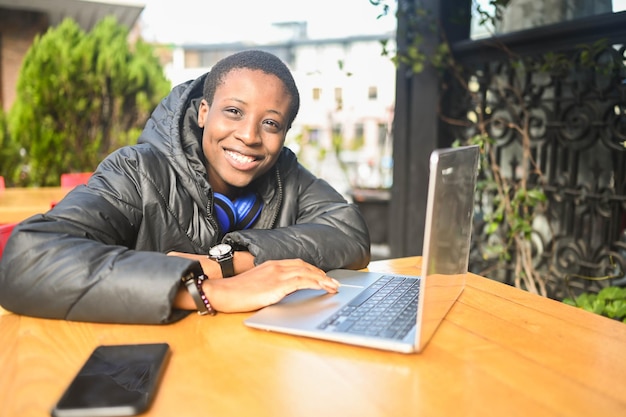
(223, 254)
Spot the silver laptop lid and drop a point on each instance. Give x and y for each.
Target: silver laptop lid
(447, 235)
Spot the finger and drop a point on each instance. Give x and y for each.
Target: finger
(331, 286)
(323, 280)
(316, 281)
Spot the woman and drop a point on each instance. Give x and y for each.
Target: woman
(209, 169)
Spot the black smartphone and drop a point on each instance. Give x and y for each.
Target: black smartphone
(116, 380)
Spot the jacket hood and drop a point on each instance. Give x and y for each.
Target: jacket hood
(173, 130)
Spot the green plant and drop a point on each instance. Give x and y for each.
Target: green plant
(80, 96)
(9, 151)
(609, 302)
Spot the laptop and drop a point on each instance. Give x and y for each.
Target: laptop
(367, 310)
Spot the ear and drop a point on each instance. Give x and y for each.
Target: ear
(203, 110)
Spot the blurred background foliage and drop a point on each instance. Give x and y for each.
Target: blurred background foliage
(80, 95)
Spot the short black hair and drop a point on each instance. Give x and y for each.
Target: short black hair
(253, 60)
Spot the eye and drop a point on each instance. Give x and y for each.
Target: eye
(233, 111)
(273, 125)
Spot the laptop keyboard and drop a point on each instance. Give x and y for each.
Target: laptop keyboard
(387, 309)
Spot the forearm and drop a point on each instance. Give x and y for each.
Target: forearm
(79, 279)
(324, 246)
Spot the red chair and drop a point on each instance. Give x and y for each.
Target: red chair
(74, 178)
(5, 232)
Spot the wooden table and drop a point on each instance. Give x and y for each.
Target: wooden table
(17, 204)
(500, 352)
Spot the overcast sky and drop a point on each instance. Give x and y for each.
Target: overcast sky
(214, 21)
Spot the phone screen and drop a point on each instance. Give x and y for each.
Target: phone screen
(116, 380)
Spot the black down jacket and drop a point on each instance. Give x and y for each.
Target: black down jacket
(99, 254)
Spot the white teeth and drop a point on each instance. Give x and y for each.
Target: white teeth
(239, 157)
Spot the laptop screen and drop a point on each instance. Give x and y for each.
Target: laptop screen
(448, 232)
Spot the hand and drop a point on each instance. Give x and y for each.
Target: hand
(266, 284)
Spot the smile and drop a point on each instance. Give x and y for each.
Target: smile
(242, 159)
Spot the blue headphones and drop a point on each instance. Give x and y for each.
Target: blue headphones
(238, 215)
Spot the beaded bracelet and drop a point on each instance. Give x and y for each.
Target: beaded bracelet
(194, 286)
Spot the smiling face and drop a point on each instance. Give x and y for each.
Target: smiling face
(244, 128)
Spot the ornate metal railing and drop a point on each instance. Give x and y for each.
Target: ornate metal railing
(571, 78)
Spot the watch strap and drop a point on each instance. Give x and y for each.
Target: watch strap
(227, 266)
(224, 259)
(193, 282)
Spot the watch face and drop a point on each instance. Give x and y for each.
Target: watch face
(219, 250)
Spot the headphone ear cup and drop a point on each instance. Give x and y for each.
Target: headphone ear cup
(247, 209)
(225, 212)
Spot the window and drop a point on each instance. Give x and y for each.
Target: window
(314, 135)
(382, 134)
(359, 130)
(372, 93)
(339, 98)
(526, 14)
(192, 59)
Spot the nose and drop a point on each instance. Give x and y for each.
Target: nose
(249, 132)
